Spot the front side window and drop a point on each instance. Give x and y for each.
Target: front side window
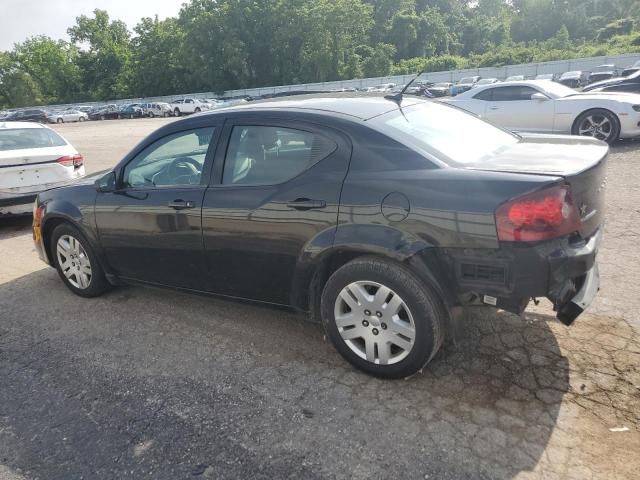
(177, 159)
(512, 94)
(265, 155)
(437, 129)
(486, 95)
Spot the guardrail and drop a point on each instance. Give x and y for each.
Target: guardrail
(527, 69)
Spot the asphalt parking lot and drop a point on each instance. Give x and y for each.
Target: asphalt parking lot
(143, 383)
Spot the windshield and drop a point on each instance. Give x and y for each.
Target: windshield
(556, 90)
(466, 80)
(449, 134)
(22, 138)
(570, 74)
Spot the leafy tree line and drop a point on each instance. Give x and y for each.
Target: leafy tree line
(217, 45)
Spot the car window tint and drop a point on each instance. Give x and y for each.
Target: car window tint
(176, 159)
(19, 138)
(514, 93)
(263, 155)
(486, 95)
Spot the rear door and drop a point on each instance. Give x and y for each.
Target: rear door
(275, 192)
(150, 227)
(513, 108)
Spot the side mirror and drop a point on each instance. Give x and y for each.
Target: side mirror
(539, 96)
(106, 183)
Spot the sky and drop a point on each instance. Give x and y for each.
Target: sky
(20, 19)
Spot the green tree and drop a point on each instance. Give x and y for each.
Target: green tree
(105, 65)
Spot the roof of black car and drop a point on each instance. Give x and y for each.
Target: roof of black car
(360, 105)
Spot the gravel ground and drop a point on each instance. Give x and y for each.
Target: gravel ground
(143, 383)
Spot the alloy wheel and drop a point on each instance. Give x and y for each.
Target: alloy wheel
(74, 261)
(375, 322)
(596, 125)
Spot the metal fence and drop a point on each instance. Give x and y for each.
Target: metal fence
(527, 69)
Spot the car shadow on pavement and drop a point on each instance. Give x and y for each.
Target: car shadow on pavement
(148, 381)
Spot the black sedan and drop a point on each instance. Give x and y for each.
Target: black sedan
(368, 212)
(28, 115)
(620, 84)
(132, 110)
(107, 112)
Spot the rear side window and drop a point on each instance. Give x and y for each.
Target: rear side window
(265, 155)
(21, 138)
(486, 95)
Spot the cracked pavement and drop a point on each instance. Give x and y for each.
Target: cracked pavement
(145, 383)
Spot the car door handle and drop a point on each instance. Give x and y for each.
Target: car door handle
(306, 204)
(181, 204)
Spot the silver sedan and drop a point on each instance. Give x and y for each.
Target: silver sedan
(67, 116)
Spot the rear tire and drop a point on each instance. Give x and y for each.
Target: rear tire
(77, 263)
(60, 120)
(382, 318)
(151, 115)
(197, 110)
(598, 123)
(81, 119)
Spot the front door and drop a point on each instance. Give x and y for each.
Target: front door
(150, 227)
(513, 108)
(275, 194)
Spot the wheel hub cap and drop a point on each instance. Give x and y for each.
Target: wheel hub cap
(74, 261)
(374, 322)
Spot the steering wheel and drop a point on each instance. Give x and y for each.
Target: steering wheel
(183, 162)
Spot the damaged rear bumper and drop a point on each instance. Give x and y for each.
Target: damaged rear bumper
(564, 270)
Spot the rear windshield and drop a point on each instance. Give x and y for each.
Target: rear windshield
(21, 138)
(451, 135)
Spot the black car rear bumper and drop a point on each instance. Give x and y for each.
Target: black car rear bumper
(563, 270)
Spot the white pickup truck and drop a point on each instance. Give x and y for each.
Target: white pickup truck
(188, 105)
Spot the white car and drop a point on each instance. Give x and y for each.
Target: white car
(33, 158)
(67, 116)
(514, 78)
(188, 105)
(542, 106)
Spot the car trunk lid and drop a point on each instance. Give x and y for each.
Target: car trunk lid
(580, 161)
(26, 168)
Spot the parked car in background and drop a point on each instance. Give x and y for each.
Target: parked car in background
(602, 72)
(546, 76)
(188, 105)
(464, 84)
(131, 110)
(384, 87)
(441, 89)
(514, 78)
(485, 81)
(574, 79)
(404, 223)
(67, 116)
(629, 84)
(105, 112)
(28, 115)
(33, 158)
(156, 109)
(541, 106)
(81, 108)
(4, 115)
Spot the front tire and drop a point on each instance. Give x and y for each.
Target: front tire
(598, 123)
(381, 318)
(77, 263)
(176, 112)
(197, 110)
(151, 115)
(60, 120)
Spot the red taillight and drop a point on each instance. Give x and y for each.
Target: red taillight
(543, 215)
(71, 160)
